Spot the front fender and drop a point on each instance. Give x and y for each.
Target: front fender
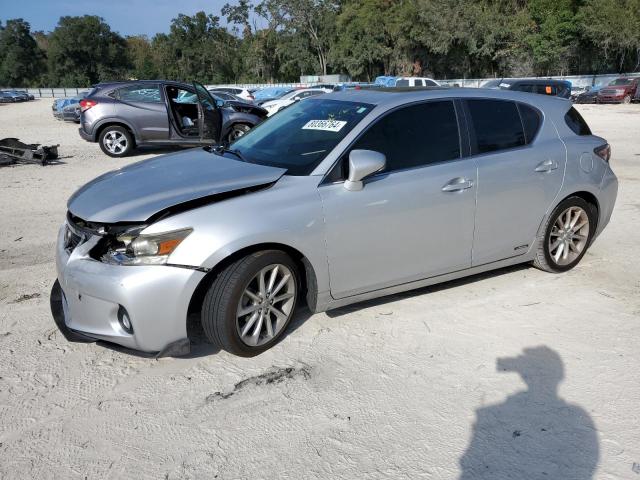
(287, 213)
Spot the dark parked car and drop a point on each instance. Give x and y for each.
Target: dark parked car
(62, 105)
(237, 104)
(621, 90)
(588, 95)
(7, 97)
(121, 116)
(555, 88)
(17, 97)
(27, 94)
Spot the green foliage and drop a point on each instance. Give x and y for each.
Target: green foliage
(21, 61)
(279, 40)
(84, 50)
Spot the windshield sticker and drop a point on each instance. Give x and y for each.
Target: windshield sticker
(325, 125)
(504, 85)
(361, 109)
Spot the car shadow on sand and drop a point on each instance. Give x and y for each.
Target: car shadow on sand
(534, 434)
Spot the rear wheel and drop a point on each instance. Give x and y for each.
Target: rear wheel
(568, 234)
(116, 141)
(250, 304)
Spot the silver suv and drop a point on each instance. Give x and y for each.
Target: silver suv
(340, 198)
(123, 115)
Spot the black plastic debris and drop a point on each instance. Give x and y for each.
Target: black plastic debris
(13, 151)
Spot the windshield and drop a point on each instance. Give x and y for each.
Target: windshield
(621, 81)
(301, 136)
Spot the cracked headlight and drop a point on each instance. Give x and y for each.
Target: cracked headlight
(133, 249)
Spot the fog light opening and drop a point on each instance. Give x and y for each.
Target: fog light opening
(125, 321)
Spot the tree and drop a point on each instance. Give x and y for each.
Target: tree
(21, 61)
(196, 48)
(614, 27)
(84, 50)
(141, 57)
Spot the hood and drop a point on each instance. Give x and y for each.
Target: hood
(141, 190)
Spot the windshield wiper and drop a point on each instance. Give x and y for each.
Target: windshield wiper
(221, 149)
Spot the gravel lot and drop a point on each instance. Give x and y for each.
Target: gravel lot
(391, 388)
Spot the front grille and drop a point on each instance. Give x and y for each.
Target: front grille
(609, 92)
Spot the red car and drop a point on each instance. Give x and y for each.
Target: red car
(621, 90)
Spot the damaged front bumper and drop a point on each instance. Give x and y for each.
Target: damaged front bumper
(92, 297)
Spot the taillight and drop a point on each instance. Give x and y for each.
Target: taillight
(87, 104)
(603, 151)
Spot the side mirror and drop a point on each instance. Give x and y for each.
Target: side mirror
(363, 163)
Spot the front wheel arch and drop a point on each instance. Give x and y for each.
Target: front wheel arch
(308, 279)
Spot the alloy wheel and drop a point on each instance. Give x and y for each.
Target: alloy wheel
(115, 142)
(237, 132)
(569, 236)
(266, 305)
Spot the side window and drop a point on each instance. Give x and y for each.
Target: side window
(140, 93)
(430, 83)
(496, 124)
(576, 123)
(414, 136)
(418, 82)
(531, 120)
(525, 87)
(402, 83)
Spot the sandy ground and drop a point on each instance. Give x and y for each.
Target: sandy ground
(392, 388)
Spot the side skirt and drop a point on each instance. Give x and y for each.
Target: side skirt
(325, 302)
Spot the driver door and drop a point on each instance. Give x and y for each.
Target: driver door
(414, 219)
(210, 117)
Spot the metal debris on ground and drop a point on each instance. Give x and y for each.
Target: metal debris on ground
(13, 151)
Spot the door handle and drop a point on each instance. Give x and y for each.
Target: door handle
(458, 185)
(547, 166)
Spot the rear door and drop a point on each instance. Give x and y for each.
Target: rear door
(143, 106)
(521, 164)
(210, 121)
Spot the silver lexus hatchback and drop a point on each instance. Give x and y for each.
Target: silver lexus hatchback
(337, 199)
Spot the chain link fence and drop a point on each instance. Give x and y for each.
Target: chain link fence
(576, 81)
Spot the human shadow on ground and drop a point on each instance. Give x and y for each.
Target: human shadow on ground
(534, 434)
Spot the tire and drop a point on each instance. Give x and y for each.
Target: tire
(222, 318)
(627, 99)
(237, 131)
(116, 141)
(566, 238)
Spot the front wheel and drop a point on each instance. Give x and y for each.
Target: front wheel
(250, 303)
(627, 99)
(237, 131)
(568, 234)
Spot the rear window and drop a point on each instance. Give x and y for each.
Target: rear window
(140, 93)
(576, 123)
(496, 124)
(531, 120)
